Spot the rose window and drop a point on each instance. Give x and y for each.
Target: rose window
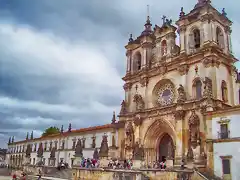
(165, 95)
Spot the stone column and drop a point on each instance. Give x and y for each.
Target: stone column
(182, 38)
(179, 149)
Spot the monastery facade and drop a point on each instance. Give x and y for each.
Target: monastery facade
(175, 96)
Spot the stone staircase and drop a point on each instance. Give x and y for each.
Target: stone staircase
(207, 175)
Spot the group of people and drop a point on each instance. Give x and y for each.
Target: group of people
(90, 163)
(115, 164)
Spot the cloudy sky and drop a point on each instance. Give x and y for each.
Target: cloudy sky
(62, 61)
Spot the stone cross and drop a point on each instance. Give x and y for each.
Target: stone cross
(164, 19)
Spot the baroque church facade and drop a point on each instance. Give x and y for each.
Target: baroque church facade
(170, 88)
(170, 93)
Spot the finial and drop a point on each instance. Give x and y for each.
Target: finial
(164, 19)
(70, 127)
(31, 135)
(224, 12)
(114, 118)
(27, 136)
(130, 38)
(182, 13)
(62, 129)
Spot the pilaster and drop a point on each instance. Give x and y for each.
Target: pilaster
(179, 150)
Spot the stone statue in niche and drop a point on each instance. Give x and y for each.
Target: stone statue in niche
(123, 107)
(207, 92)
(181, 94)
(139, 102)
(193, 124)
(129, 135)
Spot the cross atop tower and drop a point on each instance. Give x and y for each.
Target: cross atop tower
(164, 19)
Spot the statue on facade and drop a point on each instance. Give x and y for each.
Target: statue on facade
(138, 152)
(181, 94)
(194, 123)
(207, 92)
(93, 141)
(78, 149)
(104, 147)
(53, 152)
(95, 154)
(40, 150)
(28, 150)
(139, 102)
(123, 107)
(129, 135)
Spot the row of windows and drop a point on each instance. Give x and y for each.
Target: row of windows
(195, 43)
(20, 149)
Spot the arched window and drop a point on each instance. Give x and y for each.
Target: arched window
(197, 89)
(164, 47)
(219, 37)
(137, 63)
(196, 36)
(224, 91)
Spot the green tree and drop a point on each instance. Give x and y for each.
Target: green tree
(51, 130)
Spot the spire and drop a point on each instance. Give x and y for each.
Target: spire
(31, 135)
(114, 118)
(62, 129)
(9, 141)
(27, 136)
(148, 25)
(13, 139)
(70, 127)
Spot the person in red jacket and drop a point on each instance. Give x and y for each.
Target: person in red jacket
(14, 177)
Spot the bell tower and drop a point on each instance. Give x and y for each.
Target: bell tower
(204, 26)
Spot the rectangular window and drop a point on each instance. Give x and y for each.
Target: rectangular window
(74, 144)
(226, 166)
(224, 131)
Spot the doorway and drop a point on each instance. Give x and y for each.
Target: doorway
(166, 148)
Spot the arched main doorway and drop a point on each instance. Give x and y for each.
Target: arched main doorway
(159, 137)
(165, 149)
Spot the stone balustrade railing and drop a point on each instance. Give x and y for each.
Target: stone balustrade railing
(142, 174)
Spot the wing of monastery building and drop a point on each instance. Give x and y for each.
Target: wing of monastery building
(181, 101)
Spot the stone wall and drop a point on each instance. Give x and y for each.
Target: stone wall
(145, 174)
